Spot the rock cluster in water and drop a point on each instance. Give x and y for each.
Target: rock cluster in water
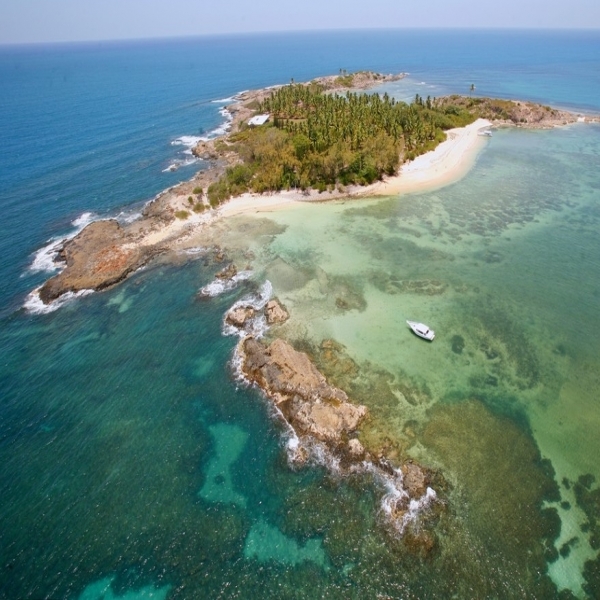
(323, 414)
(300, 391)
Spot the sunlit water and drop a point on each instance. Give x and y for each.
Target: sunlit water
(135, 465)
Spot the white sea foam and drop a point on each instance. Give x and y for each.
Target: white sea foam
(236, 363)
(220, 286)
(45, 259)
(125, 218)
(225, 100)
(196, 250)
(397, 498)
(83, 220)
(257, 300)
(179, 163)
(33, 303)
(186, 140)
(221, 129)
(256, 326)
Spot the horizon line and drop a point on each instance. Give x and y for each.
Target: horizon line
(225, 34)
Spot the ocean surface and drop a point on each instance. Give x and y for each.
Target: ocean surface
(133, 463)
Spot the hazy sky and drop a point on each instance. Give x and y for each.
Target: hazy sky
(78, 20)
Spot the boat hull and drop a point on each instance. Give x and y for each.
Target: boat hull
(421, 330)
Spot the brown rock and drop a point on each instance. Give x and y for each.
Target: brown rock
(355, 448)
(229, 272)
(308, 402)
(275, 312)
(99, 256)
(239, 316)
(415, 480)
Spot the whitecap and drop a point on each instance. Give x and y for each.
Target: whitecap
(125, 218)
(221, 129)
(220, 286)
(33, 303)
(179, 163)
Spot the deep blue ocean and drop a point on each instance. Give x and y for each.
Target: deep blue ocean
(119, 411)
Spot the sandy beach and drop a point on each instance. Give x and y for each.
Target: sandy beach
(450, 161)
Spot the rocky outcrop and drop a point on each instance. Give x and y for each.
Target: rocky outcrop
(99, 256)
(229, 272)
(515, 112)
(205, 151)
(240, 315)
(275, 313)
(323, 417)
(415, 479)
(300, 391)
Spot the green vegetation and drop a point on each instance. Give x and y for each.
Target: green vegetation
(318, 140)
(198, 191)
(182, 214)
(496, 108)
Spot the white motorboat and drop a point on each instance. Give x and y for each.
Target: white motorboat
(422, 330)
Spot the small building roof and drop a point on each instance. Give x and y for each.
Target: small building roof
(259, 120)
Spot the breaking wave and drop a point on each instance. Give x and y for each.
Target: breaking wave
(33, 303)
(220, 286)
(45, 259)
(257, 325)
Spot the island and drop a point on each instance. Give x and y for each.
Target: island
(322, 139)
(306, 142)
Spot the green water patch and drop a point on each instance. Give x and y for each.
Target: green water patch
(267, 543)
(121, 301)
(501, 484)
(103, 590)
(229, 442)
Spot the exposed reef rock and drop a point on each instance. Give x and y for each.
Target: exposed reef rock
(516, 112)
(239, 316)
(275, 312)
(300, 391)
(99, 256)
(229, 272)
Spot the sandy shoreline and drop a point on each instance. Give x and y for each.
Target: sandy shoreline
(447, 163)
